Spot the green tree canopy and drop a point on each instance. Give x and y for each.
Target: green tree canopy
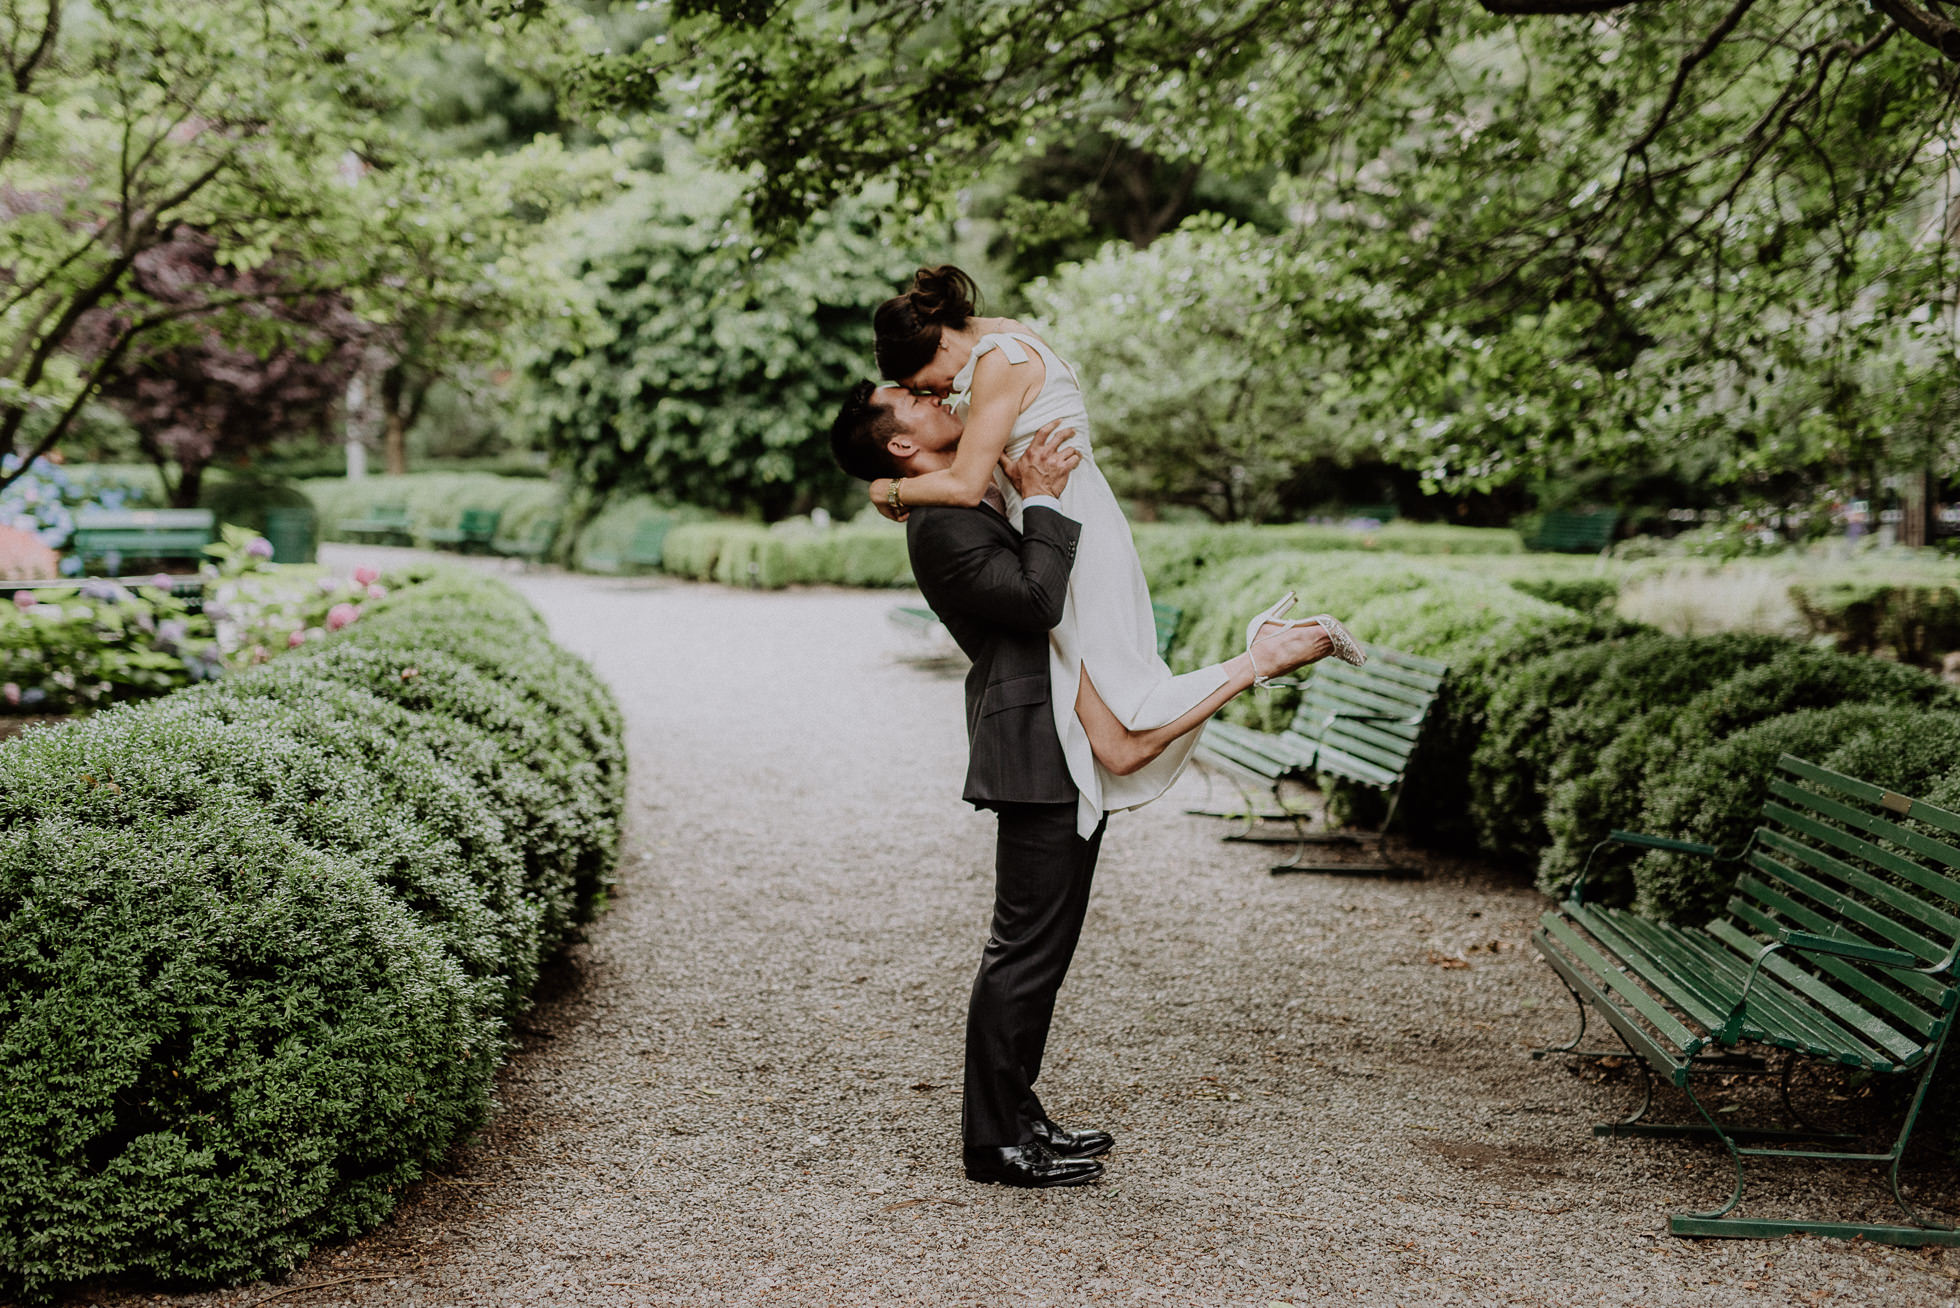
(1627, 231)
(705, 371)
(263, 125)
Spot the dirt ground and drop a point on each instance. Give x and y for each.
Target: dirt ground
(743, 1088)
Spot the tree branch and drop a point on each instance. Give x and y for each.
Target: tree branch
(1923, 25)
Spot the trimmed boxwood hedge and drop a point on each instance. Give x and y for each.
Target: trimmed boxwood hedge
(1715, 795)
(260, 940)
(1610, 788)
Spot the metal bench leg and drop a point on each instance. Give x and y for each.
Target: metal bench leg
(1924, 1231)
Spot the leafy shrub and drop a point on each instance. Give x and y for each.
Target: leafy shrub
(1515, 754)
(1482, 629)
(1586, 594)
(1715, 795)
(1916, 623)
(258, 940)
(702, 372)
(603, 541)
(434, 500)
(1613, 791)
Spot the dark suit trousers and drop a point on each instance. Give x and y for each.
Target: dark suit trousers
(1042, 871)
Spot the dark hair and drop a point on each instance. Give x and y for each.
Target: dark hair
(908, 325)
(859, 436)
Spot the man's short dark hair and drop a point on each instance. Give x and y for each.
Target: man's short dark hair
(859, 437)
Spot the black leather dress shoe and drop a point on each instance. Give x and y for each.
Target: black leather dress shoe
(1064, 1143)
(1031, 1166)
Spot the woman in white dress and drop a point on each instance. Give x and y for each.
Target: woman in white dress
(1126, 723)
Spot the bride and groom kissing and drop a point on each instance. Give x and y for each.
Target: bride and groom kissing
(982, 448)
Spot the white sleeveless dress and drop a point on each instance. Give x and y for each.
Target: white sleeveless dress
(1106, 623)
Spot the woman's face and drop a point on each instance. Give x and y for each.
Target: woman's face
(936, 378)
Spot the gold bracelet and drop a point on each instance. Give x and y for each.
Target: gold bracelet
(892, 498)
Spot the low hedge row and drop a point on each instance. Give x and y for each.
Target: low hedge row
(260, 940)
(435, 500)
(788, 554)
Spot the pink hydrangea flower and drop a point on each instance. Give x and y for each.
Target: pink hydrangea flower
(163, 581)
(259, 548)
(366, 576)
(11, 693)
(377, 591)
(340, 615)
(328, 585)
(295, 640)
(23, 599)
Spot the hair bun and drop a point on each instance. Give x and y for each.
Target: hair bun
(943, 295)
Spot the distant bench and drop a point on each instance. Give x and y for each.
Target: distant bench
(1574, 531)
(1359, 724)
(645, 551)
(388, 523)
(161, 534)
(923, 621)
(475, 530)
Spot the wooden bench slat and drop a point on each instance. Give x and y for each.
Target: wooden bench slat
(1881, 1034)
(1671, 1062)
(1389, 741)
(1706, 967)
(1854, 978)
(1894, 932)
(1353, 701)
(1778, 1014)
(1325, 714)
(1917, 809)
(1931, 915)
(1691, 988)
(1944, 886)
(1343, 764)
(1362, 681)
(1622, 985)
(1344, 737)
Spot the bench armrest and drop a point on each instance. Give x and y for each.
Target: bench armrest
(1576, 894)
(1811, 943)
(1643, 841)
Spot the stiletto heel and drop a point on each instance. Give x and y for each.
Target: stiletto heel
(1272, 617)
(1346, 648)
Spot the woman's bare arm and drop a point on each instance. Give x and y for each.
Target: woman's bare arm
(1000, 391)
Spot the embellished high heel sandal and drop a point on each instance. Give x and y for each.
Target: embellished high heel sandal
(1346, 648)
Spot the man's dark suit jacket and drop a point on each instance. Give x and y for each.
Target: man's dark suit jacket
(1000, 592)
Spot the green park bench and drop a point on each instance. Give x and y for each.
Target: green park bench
(475, 530)
(1359, 724)
(1838, 943)
(1574, 531)
(387, 523)
(123, 535)
(923, 621)
(532, 545)
(643, 553)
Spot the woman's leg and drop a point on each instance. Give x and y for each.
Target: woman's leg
(1123, 751)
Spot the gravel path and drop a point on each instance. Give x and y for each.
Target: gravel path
(744, 1088)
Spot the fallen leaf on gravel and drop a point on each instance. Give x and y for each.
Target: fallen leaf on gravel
(1449, 962)
(924, 1085)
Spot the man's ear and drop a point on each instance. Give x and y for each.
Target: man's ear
(901, 448)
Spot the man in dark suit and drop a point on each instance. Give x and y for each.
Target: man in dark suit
(999, 591)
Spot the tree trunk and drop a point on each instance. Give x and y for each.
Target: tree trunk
(1918, 508)
(190, 483)
(394, 443)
